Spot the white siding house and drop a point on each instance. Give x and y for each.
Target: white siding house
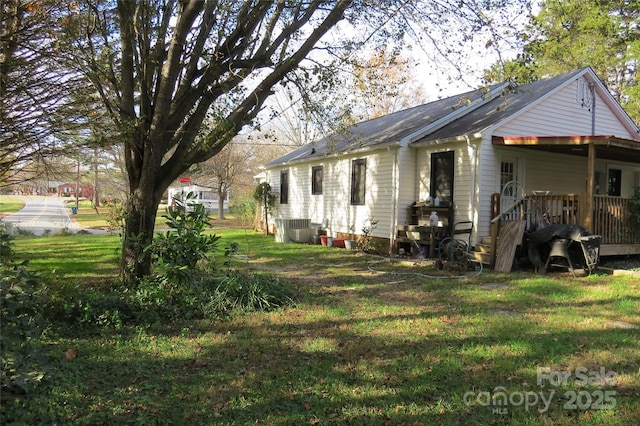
(563, 135)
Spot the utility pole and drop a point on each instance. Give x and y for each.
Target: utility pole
(77, 180)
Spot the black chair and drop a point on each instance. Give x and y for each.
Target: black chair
(456, 249)
(463, 228)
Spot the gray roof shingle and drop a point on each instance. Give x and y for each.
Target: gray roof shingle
(394, 127)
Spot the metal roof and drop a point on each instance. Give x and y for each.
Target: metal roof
(393, 128)
(382, 131)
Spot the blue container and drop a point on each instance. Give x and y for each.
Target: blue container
(74, 210)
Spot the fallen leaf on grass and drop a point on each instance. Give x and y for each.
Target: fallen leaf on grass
(70, 354)
(201, 362)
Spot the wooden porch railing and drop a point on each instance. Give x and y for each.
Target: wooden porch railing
(561, 208)
(611, 218)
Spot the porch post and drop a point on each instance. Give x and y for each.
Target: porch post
(591, 181)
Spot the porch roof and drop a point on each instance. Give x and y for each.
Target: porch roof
(607, 147)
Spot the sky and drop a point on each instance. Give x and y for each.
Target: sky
(460, 70)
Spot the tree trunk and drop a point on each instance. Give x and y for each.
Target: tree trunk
(96, 194)
(221, 196)
(141, 213)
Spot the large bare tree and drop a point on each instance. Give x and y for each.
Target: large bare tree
(386, 82)
(227, 170)
(162, 66)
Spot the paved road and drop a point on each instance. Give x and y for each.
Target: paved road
(42, 213)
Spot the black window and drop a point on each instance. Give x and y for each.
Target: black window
(284, 187)
(442, 176)
(358, 173)
(614, 185)
(316, 180)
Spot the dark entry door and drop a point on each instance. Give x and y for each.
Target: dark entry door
(442, 176)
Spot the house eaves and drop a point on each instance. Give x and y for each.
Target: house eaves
(336, 154)
(603, 140)
(469, 138)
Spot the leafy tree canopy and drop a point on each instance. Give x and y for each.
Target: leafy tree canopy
(571, 34)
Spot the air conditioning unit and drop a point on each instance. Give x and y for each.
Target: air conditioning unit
(300, 235)
(293, 230)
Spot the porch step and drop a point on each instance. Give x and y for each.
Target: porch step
(482, 250)
(484, 258)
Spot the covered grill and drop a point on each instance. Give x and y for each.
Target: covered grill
(566, 246)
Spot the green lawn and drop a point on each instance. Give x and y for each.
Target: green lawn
(10, 204)
(361, 346)
(89, 217)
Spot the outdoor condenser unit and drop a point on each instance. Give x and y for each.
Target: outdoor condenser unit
(293, 230)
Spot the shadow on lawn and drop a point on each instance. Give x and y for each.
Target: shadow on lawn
(360, 348)
(286, 369)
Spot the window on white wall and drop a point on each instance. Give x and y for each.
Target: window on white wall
(358, 174)
(614, 183)
(316, 180)
(442, 176)
(507, 173)
(284, 187)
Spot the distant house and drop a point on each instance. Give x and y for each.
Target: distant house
(45, 187)
(563, 142)
(203, 195)
(69, 190)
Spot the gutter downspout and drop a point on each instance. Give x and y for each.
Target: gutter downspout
(474, 183)
(587, 217)
(394, 201)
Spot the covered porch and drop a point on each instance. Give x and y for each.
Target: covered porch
(604, 215)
